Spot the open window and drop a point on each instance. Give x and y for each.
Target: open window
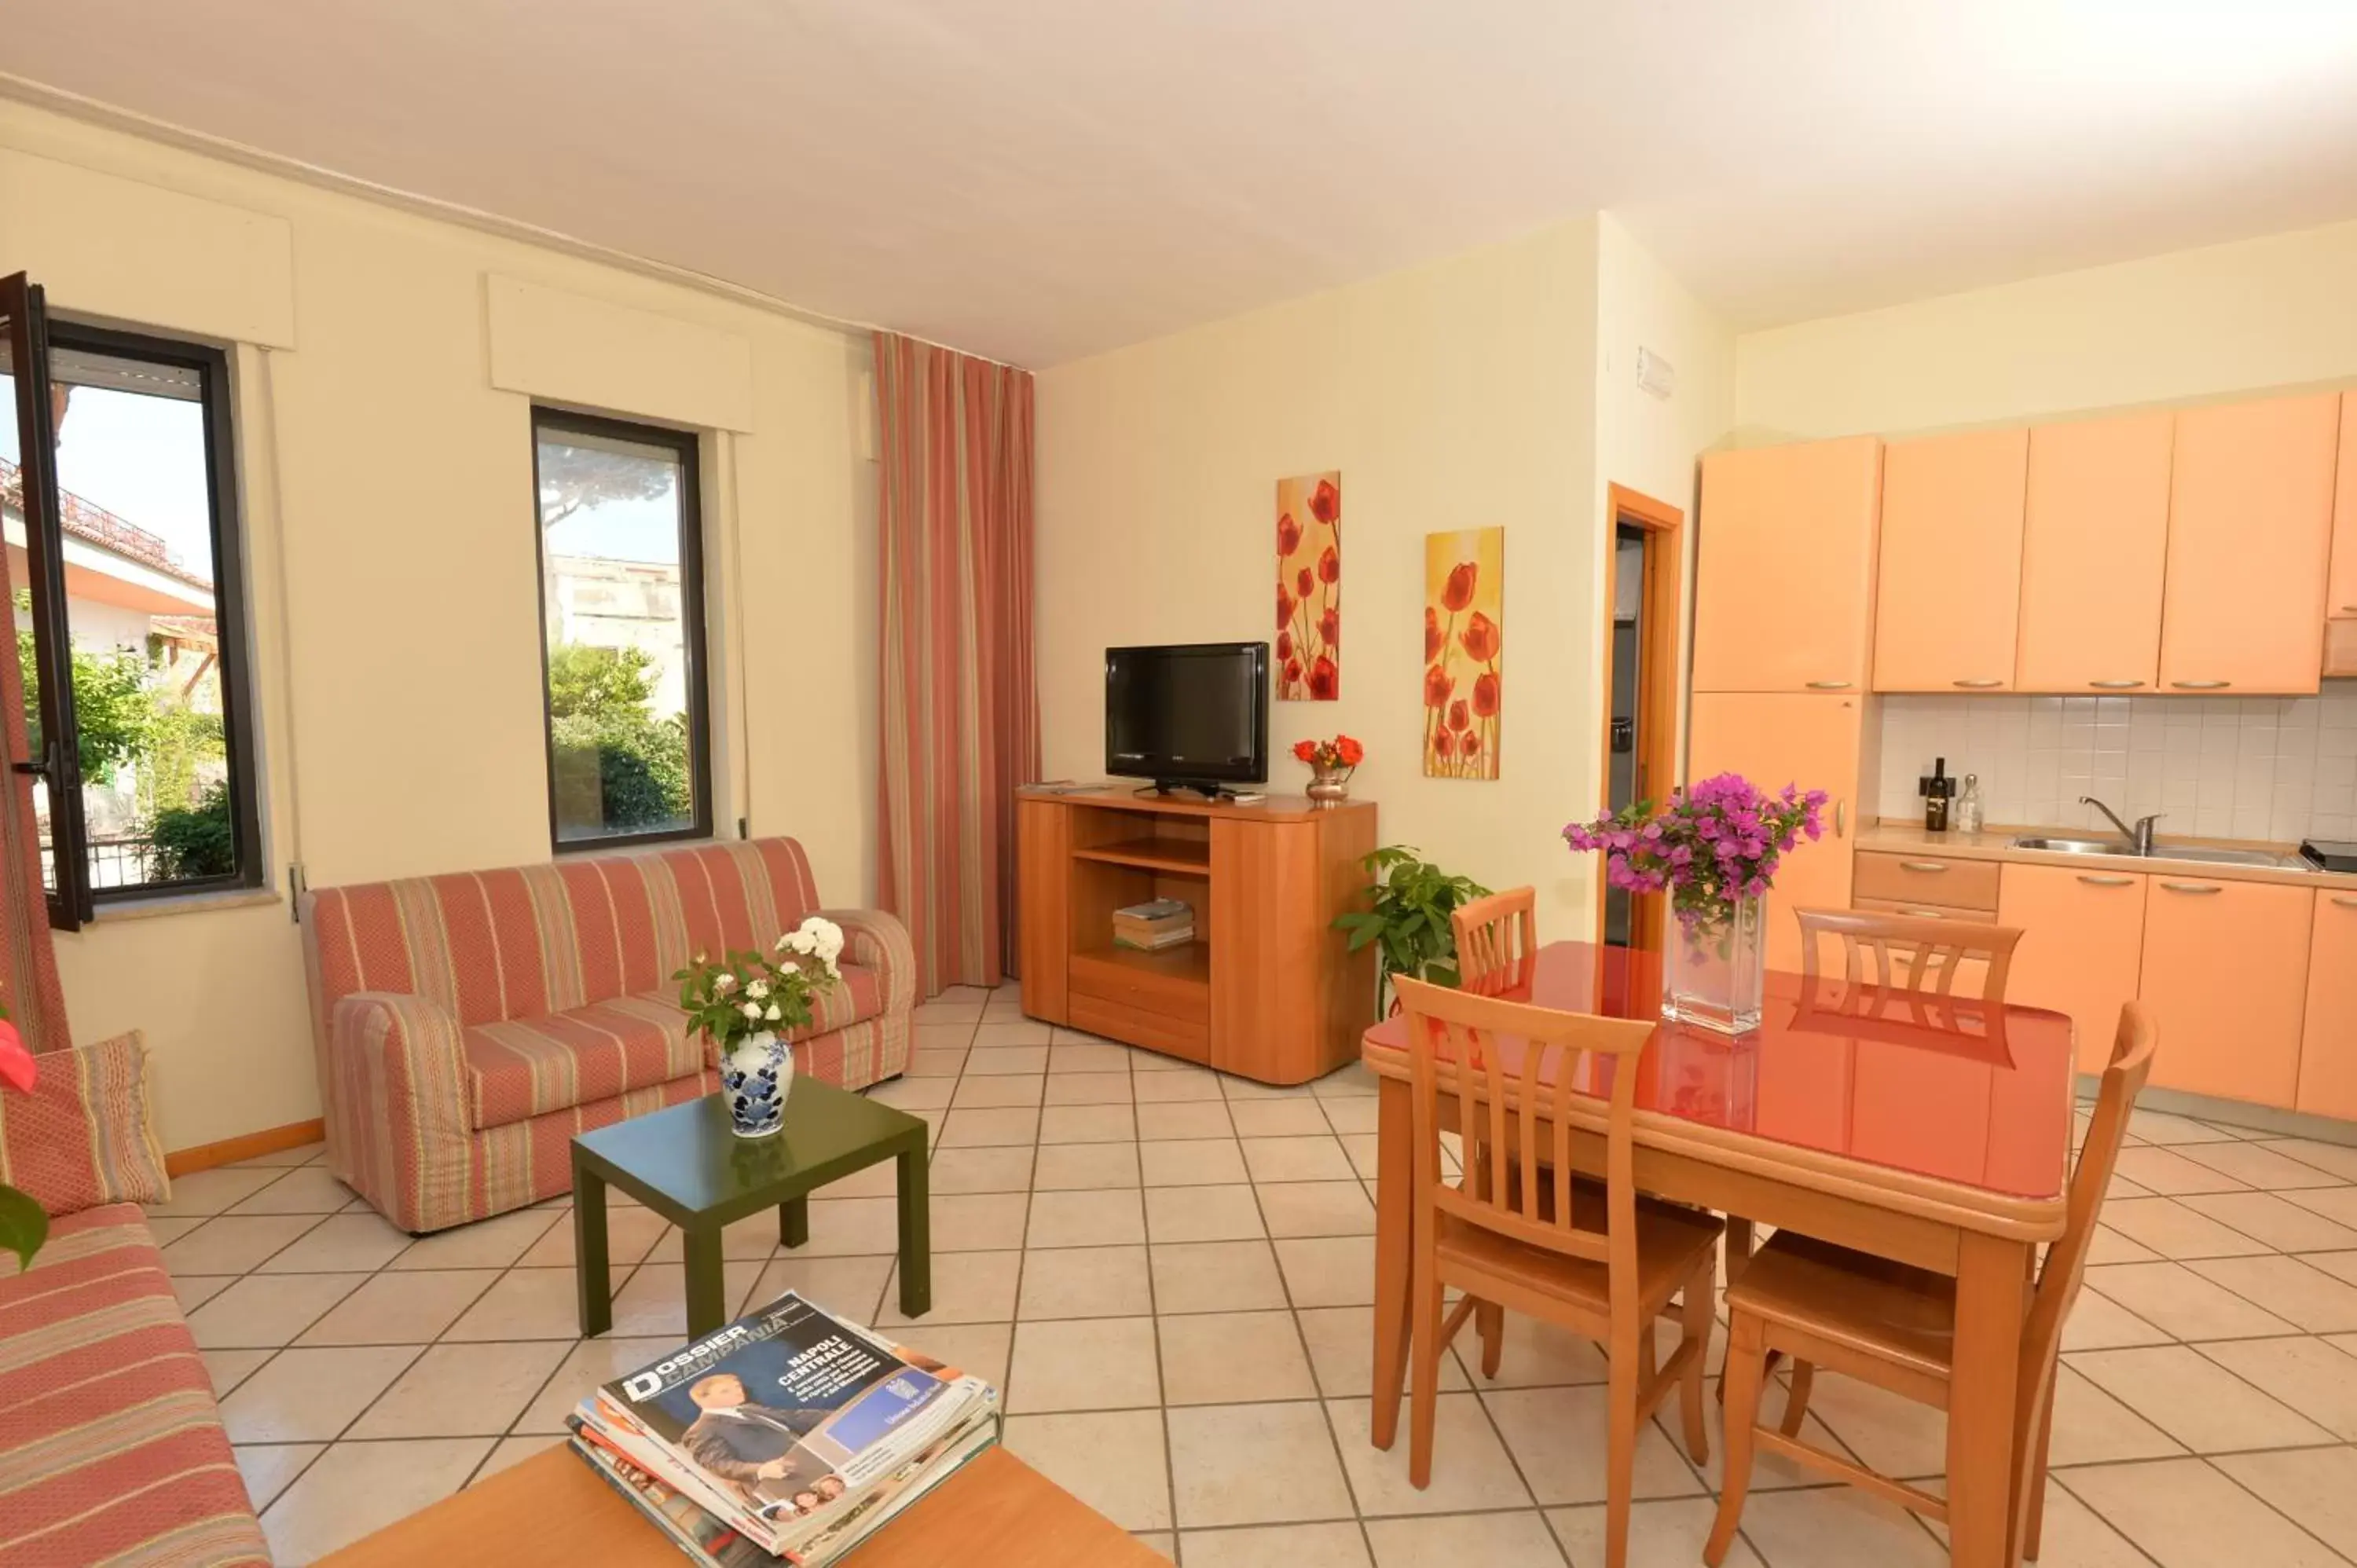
(126, 711)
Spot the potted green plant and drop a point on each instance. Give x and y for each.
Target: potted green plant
(1410, 921)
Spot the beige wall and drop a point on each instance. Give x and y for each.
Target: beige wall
(388, 505)
(2251, 315)
(1454, 395)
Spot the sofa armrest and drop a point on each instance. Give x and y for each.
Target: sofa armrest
(397, 1116)
(880, 941)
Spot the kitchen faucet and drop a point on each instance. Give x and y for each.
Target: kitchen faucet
(2139, 837)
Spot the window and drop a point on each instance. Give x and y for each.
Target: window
(125, 563)
(621, 596)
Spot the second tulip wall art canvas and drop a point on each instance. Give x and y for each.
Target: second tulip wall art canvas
(1310, 588)
(1464, 651)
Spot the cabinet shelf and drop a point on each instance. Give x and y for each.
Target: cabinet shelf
(1188, 963)
(1183, 857)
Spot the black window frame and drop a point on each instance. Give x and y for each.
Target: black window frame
(76, 901)
(689, 447)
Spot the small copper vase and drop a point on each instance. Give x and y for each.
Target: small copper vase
(1329, 786)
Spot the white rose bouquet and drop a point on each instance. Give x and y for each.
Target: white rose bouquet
(744, 994)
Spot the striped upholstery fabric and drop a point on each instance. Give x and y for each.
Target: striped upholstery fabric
(468, 1026)
(84, 1135)
(111, 1448)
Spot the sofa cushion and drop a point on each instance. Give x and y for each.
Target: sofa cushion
(111, 1447)
(83, 1136)
(528, 1067)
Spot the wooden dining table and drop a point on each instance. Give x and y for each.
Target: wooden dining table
(1935, 1135)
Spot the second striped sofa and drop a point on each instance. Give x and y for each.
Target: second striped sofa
(468, 1026)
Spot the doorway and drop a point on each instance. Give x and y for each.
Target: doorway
(1640, 672)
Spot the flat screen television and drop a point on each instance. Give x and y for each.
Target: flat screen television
(1190, 715)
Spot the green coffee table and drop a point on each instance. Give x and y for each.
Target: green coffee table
(685, 1164)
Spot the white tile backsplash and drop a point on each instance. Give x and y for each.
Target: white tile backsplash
(2281, 768)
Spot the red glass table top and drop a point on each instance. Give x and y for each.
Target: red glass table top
(1955, 1092)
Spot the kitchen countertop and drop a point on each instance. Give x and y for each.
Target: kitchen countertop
(1996, 844)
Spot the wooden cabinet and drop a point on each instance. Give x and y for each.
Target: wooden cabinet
(1268, 989)
(2082, 948)
(1784, 582)
(1779, 738)
(1948, 590)
(2094, 545)
(2225, 974)
(2340, 585)
(2249, 525)
(2328, 1051)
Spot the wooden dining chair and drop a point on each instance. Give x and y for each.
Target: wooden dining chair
(1912, 955)
(1518, 1231)
(1495, 933)
(1894, 1326)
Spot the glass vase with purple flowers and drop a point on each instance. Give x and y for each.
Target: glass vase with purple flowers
(1714, 849)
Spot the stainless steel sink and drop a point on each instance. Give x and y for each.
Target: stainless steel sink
(2077, 846)
(2163, 852)
(2229, 857)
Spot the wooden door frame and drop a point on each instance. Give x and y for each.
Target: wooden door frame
(1657, 691)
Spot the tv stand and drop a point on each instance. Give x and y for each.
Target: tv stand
(1268, 989)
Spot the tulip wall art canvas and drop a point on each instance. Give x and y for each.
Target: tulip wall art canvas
(1464, 651)
(1310, 588)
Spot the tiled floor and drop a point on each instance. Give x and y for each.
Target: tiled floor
(1169, 1273)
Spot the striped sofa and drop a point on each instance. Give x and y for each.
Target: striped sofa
(111, 1449)
(468, 1026)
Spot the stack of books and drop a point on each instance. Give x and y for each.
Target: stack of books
(791, 1433)
(1162, 923)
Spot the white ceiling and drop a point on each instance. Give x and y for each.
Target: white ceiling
(1040, 179)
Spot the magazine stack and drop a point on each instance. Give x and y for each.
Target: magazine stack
(1151, 927)
(790, 1434)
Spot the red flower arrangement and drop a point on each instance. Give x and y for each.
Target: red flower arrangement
(1332, 761)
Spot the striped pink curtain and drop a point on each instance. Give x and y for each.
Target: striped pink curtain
(961, 714)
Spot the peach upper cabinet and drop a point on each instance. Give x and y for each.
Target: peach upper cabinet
(2094, 545)
(2082, 946)
(2250, 529)
(2341, 587)
(1779, 738)
(2225, 973)
(1784, 588)
(1948, 590)
(2328, 1056)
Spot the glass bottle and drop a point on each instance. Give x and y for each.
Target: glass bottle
(1967, 817)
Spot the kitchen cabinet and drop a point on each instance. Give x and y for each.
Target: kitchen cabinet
(1948, 592)
(2225, 974)
(2094, 543)
(1779, 738)
(2082, 948)
(2328, 1051)
(1784, 579)
(2250, 528)
(2340, 585)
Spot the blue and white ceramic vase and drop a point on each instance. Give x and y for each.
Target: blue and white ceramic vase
(755, 1075)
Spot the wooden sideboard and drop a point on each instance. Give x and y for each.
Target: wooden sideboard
(1268, 989)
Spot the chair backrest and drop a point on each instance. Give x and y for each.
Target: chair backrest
(2066, 1261)
(1513, 1070)
(1495, 933)
(1907, 953)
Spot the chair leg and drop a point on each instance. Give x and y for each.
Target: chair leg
(1489, 1322)
(1796, 1403)
(1739, 1254)
(2036, 1500)
(1620, 1452)
(1746, 1370)
(1696, 1316)
(1424, 1383)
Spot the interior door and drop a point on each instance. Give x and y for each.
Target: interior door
(41, 744)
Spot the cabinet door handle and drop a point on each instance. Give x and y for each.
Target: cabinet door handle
(1977, 685)
(1923, 865)
(1841, 819)
(2348, 609)
(1829, 685)
(2201, 685)
(2190, 888)
(2346, 903)
(2115, 686)
(2107, 881)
